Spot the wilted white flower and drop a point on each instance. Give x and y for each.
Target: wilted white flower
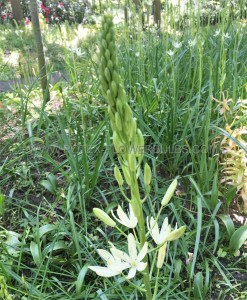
(129, 220)
(177, 45)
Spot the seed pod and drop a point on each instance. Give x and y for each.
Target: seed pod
(118, 175)
(132, 161)
(114, 88)
(107, 75)
(102, 216)
(118, 121)
(126, 175)
(147, 174)
(170, 192)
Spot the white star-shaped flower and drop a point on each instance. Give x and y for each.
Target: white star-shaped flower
(117, 260)
(129, 220)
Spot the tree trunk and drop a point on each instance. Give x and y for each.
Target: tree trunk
(157, 12)
(17, 10)
(126, 15)
(137, 4)
(40, 49)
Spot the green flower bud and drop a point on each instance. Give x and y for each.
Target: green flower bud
(140, 138)
(104, 43)
(107, 75)
(127, 112)
(170, 192)
(108, 37)
(106, 26)
(110, 98)
(111, 114)
(126, 175)
(147, 174)
(107, 54)
(132, 161)
(104, 84)
(110, 65)
(116, 77)
(117, 143)
(102, 216)
(121, 93)
(103, 63)
(133, 127)
(119, 106)
(114, 88)
(176, 234)
(118, 121)
(118, 175)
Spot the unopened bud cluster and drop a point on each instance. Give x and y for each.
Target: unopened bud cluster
(4, 294)
(126, 135)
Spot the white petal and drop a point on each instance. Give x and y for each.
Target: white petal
(122, 215)
(164, 231)
(104, 272)
(106, 255)
(143, 252)
(154, 230)
(132, 247)
(141, 266)
(133, 218)
(119, 266)
(120, 255)
(161, 256)
(131, 273)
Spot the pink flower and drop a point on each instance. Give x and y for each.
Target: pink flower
(27, 22)
(47, 20)
(42, 6)
(60, 4)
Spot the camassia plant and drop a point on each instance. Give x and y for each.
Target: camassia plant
(129, 146)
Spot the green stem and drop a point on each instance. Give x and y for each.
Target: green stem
(142, 236)
(156, 284)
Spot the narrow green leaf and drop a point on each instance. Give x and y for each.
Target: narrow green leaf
(35, 253)
(198, 286)
(238, 238)
(80, 279)
(226, 219)
(46, 228)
